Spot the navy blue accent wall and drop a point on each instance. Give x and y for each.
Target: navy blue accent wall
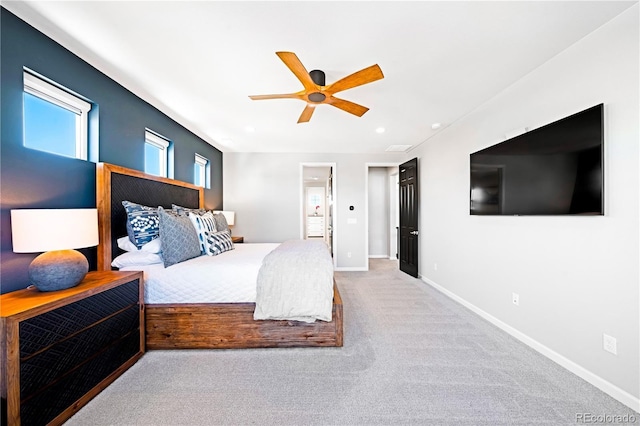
(34, 179)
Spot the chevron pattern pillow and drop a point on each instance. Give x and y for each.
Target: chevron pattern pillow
(219, 242)
(178, 237)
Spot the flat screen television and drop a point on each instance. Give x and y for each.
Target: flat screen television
(556, 169)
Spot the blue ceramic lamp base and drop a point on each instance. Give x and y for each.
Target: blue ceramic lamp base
(58, 269)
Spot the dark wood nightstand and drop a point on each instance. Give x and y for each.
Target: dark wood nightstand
(237, 240)
(59, 349)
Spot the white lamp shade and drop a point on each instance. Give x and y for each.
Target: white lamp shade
(229, 215)
(40, 230)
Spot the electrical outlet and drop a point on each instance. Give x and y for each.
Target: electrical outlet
(610, 344)
(435, 266)
(515, 298)
(348, 254)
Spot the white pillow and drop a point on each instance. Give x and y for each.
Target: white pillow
(136, 258)
(153, 246)
(125, 244)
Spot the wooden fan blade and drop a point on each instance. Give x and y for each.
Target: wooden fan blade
(306, 113)
(356, 79)
(284, 96)
(293, 63)
(348, 106)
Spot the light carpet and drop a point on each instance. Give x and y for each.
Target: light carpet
(411, 356)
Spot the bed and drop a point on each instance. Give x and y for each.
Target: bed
(190, 324)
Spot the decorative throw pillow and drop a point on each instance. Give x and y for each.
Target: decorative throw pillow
(143, 224)
(183, 211)
(178, 238)
(219, 242)
(221, 222)
(202, 223)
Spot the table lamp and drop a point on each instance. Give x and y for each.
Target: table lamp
(56, 232)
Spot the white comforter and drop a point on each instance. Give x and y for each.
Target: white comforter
(229, 277)
(295, 282)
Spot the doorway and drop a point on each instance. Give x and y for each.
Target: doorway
(382, 210)
(317, 198)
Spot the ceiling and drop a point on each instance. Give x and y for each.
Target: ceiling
(316, 173)
(199, 61)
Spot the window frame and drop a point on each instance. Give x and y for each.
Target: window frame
(47, 91)
(201, 168)
(162, 143)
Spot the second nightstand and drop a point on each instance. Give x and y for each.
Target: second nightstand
(237, 240)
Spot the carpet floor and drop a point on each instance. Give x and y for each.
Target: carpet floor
(411, 356)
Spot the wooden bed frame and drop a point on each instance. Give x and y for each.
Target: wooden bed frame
(199, 325)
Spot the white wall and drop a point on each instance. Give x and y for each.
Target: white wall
(379, 215)
(394, 212)
(264, 191)
(577, 277)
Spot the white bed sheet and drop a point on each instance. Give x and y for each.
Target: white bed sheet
(229, 277)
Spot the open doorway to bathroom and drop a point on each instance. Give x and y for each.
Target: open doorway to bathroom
(317, 203)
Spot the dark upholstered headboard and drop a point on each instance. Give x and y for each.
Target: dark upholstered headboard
(116, 184)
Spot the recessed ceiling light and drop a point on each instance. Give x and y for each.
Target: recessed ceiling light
(249, 129)
(380, 130)
(436, 126)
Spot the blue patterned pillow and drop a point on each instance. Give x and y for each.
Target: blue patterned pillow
(143, 224)
(219, 242)
(203, 223)
(179, 239)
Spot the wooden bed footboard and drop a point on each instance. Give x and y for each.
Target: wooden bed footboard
(231, 326)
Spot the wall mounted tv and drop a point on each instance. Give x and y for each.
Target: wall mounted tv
(556, 169)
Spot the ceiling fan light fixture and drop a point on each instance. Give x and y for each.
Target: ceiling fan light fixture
(316, 92)
(316, 97)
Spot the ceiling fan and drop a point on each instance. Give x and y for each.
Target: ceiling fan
(315, 92)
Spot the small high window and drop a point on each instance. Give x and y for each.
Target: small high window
(201, 172)
(156, 152)
(55, 120)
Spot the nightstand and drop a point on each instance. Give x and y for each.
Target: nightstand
(237, 240)
(59, 349)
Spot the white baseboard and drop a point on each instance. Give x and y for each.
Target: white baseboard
(351, 268)
(379, 256)
(607, 387)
